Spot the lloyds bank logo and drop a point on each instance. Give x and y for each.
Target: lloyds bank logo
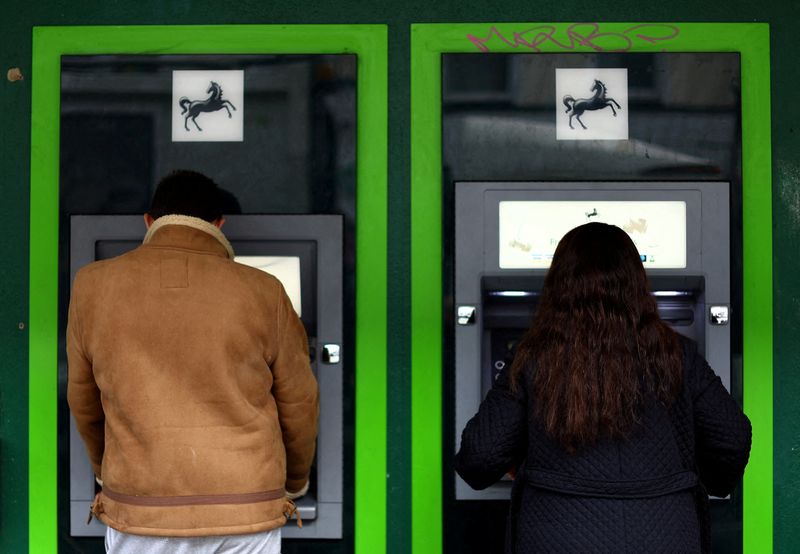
(208, 106)
(591, 104)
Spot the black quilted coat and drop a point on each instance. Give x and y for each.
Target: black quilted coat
(648, 493)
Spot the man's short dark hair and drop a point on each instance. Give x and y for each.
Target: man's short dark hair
(185, 192)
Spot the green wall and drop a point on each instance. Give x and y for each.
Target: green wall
(15, 161)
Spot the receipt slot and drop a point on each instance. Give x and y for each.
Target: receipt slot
(305, 253)
(505, 237)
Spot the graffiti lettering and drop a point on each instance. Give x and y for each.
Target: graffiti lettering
(588, 35)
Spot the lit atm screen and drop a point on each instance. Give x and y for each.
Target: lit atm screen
(285, 268)
(531, 230)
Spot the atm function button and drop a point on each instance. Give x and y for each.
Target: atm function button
(466, 315)
(330, 353)
(719, 315)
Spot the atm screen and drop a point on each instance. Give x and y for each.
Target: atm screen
(285, 268)
(530, 230)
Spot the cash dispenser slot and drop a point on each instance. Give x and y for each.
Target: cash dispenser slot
(681, 303)
(677, 312)
(505, 314)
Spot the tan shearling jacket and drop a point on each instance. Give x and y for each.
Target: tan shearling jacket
(190, 383)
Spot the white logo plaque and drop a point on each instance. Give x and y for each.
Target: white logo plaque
(591, 104)
(208, 106)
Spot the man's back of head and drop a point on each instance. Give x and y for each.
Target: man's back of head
(190, 193)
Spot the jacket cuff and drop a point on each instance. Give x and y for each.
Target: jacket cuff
(295, 495)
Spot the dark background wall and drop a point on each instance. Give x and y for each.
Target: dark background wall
(15, 160)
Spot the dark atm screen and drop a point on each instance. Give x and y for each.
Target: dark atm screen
(105, 249)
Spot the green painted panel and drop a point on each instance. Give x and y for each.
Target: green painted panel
(428, 43)
(426, 294)
(369, 42)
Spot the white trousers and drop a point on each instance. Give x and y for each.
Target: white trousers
(268, 542)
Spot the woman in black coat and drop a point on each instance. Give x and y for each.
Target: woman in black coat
(614, 427)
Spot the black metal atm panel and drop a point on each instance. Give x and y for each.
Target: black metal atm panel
(495, 297)
(316, 241)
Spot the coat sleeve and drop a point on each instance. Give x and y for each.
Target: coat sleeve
(722, 432)
(296, 395)
(83, 394)
(495, 439)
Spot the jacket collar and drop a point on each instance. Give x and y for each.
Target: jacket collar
(193, 233)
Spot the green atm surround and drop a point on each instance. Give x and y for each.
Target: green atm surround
(369, 43)
(428, 43)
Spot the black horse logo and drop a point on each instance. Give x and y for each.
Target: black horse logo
(596, 102)
(193, 108)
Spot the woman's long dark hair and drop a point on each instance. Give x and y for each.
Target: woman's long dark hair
(596, 347)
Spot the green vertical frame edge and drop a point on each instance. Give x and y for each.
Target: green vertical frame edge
(369, 42)
(428, 43)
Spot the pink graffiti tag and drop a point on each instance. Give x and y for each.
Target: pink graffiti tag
(580, 34)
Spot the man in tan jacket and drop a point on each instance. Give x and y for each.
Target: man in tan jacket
(190, 383)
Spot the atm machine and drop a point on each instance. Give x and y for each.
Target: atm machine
(288, 149)
(305, 253)
(507, 232)
(519, 171)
